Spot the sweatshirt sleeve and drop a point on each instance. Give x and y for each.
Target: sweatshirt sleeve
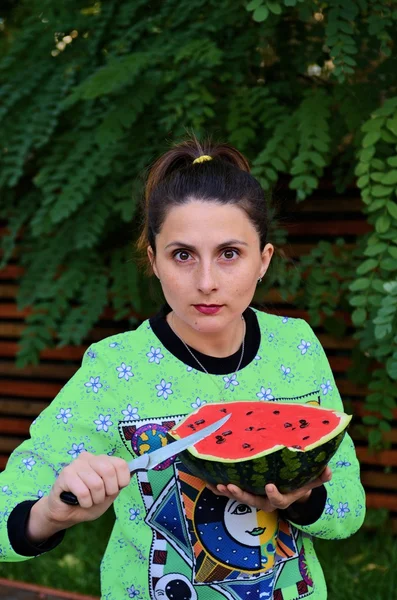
(82, 417)
(344, 509)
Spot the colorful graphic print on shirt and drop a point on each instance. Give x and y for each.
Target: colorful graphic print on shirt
(203, 541)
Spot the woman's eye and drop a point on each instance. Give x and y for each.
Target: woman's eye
(182, 255)
(230, 254)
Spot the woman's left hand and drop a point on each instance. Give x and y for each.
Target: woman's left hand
(274, 499)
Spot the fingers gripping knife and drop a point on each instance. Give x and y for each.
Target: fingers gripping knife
(149, 460)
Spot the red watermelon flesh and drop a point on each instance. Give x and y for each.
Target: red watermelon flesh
(262, 442)
(257, 427)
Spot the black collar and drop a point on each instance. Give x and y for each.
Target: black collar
(217, 366)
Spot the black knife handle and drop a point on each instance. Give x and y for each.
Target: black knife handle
(69, 498)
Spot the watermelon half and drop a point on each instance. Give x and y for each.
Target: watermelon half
(262, 442)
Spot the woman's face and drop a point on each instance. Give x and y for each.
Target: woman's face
(208, 260)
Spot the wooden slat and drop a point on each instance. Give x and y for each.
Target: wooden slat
(9, 310)
(360, 410)
(296, 250)
(383, 458)
(330, 227)
(330, 342)
(10, 349)
(388, 436)
(15, 426)
(42, 370)
(8, 290)
(28, 591)
(322, 204)
(10, 406)
(373, 479)
(8, 444)
(11, 330)
(29, 389)
(11, 272)
(273, 296)
(349, 388)
(340, 364)
(379, 500)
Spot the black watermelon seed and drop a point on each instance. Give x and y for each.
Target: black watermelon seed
(297, 447)
(219, 437)
(306, 437)
(287, 425)
(249, 413)
(220, 441)
(200, 422)
(249, 428)
(246, 445)
(224, 410)
(326, 422)
(227, 433)
(261, 428)
(303, 425)
(276, 412)
(251, 449)
(192, 426)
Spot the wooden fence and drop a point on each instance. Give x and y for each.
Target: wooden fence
(24, 393)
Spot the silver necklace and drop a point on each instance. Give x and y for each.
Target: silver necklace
(197, 360)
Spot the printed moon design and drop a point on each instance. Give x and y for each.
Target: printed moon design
(150, 437)
(232, 532)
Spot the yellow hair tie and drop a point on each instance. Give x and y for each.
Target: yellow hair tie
(202, 158)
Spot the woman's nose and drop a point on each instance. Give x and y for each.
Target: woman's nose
(206, 278)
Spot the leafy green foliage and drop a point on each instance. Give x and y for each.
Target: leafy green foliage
(91, 94)
(313, 118)
(374, 291)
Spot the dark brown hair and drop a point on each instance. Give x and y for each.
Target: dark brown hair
(174, 180)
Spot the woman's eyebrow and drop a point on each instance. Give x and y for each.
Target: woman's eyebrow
(181, 244)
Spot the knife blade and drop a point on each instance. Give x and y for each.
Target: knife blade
(155, 458)
(149, 460)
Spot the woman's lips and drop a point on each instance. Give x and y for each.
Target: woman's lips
(208, 309)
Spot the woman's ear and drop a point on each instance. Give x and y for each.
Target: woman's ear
(152, 260)
(267, 254)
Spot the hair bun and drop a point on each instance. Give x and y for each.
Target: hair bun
(187, 153)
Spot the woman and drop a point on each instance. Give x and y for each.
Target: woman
(174, 537)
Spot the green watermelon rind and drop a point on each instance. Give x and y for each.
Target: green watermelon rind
(287, 468)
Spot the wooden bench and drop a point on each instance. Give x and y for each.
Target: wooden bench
(24, 393)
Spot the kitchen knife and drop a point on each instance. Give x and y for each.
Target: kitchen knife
(149, 460)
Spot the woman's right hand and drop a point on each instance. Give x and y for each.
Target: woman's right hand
(96, 481)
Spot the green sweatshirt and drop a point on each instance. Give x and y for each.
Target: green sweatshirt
(173, 538)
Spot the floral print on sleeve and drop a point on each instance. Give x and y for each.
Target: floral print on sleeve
(344, 509)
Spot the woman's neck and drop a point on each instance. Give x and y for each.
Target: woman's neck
(219, 344)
